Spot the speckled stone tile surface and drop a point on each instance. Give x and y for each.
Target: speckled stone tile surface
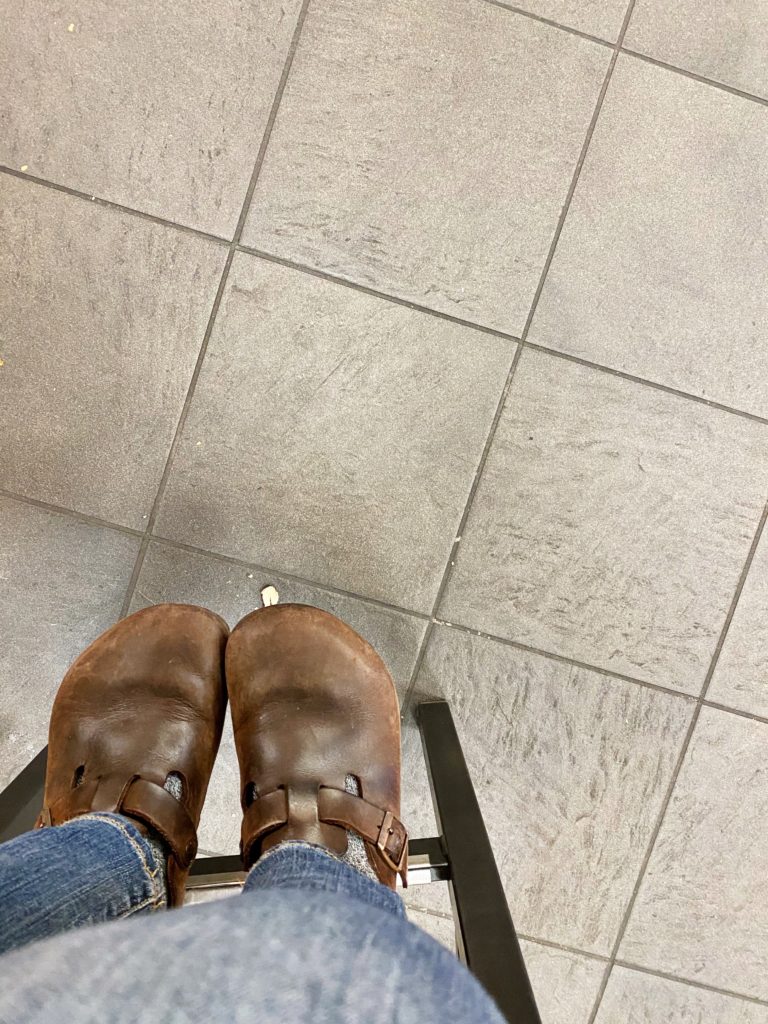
(449, 318)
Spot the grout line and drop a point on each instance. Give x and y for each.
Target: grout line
(138, 564)
(268, 571)
(81, 517)
(644, 864)
(565, 660)
(600, 957)
(679, 764)
(302, 580)
(542, 280)
(397, 609)
(714, 82)
(735, 711)
(406, 705)
(220, 240)
(628, 965)
(734, 602)
(365, 289)
(110, 205)
(732, 89)
(506, 335)
(518, 354)
(577, 172)
(440, 914)
(23, 499)
(665, 388)
(460, 530)
(345, 282)
(215, 308)
(548, 21)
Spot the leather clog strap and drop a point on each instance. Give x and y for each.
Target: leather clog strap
(380, 828)
(266, 814)
(141, 799)
(156, 807)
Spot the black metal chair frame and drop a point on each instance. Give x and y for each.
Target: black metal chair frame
(461, 855)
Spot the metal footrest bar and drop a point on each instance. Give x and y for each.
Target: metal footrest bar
(426, 863)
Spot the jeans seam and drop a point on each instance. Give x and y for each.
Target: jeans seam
(158, 897)
(149, 901)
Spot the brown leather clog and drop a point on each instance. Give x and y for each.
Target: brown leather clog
(313, 703)
(145, 700)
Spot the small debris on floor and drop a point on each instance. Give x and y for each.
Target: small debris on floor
(25, 167)
(269, 596)
(71, 27)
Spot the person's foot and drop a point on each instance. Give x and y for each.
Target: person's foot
(135, 728)
(315, 718)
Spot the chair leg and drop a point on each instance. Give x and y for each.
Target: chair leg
(485, 933)
(21, 800)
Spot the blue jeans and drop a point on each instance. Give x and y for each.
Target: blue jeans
(309, 940)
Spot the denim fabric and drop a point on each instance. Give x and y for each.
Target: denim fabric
(303, 866)
(309, 940)
(95, 868)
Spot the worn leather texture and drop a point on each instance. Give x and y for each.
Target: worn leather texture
(312, 702)
(146, 699)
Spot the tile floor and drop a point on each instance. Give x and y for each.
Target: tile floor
(450, 318)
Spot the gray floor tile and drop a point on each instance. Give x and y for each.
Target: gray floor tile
(170, 574)
(103, 315)
(570, 769)
(565, 984)
(333, 434)
(725, 40)
(740, 679)
(173, 574)
(432, 899)
(659, 271)
(195, 896)
(602, 18)
(700, 912)
(426, 149)
(158, 106)
(635, 998)
(62, 583)
(612, 523)
(440, 928)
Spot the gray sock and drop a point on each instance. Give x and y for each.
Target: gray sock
(158, 847)
(356, 855)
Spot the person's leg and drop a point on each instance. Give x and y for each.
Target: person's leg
(307, 868)
(94, 868)
(310, 941)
